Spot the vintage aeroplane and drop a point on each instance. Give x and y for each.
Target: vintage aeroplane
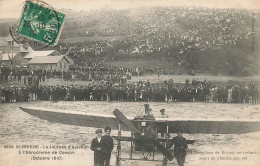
(144, 131)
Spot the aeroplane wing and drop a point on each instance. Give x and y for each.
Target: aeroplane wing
(75, 118)
(187, 125)
(207, 126)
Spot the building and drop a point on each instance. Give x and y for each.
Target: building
(33, 54)
(26, 56)
(7, 59)
(24, 50)
(49, 63)
(8, 51)
(20, 60)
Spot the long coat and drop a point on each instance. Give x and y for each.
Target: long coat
(107, 144)
(98, 155)
(180, 146)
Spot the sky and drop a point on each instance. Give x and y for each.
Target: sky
(13, 8)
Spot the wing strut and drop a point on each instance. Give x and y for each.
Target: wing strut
(118, 155)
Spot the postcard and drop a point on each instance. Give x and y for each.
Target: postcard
(129, 82)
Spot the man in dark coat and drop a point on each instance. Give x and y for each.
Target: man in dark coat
(96, 146)
(107, 146)
(180, 146)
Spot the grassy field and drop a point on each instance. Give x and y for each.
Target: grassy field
(143, 63)
(153, 78)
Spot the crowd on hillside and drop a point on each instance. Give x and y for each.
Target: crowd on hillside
(165, 31)
(168, 91)
(181, 36)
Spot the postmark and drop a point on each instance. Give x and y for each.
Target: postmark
(39, 26)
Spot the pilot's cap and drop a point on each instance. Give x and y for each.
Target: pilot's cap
(98, 131)
(162, 110)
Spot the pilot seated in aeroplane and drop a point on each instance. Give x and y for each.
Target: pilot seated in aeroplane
(148, 128)
(148, 114)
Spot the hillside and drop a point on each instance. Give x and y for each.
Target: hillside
(206, 40)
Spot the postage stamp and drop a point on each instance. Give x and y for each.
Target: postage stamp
(40, 22)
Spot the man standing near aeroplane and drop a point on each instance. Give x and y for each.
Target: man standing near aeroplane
(96, 146)
(107, 146)
(180, 146)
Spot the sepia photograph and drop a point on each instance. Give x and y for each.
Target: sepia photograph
(129, 82)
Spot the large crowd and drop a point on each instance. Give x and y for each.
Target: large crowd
(161, 32)
(94, 72)
(115, 74)
(26, 75)
(168, 91)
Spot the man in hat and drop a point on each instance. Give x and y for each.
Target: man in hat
(107, 146)
(96, 146)
(149, 126)
(163, 115)
(148, 113)
(180, 146)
